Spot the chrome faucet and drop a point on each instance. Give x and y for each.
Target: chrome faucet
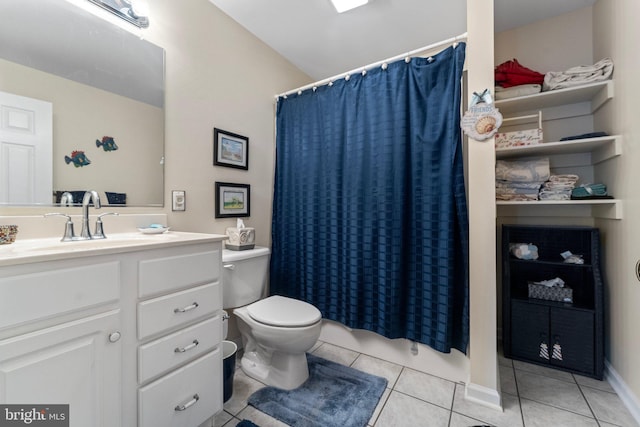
(66, 199)
(89, 196)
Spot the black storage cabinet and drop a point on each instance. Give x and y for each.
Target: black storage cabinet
(532, 327)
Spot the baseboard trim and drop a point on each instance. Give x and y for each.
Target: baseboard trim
(627, 396)
(483, 396)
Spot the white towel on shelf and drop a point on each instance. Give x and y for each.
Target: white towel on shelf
(532, 170)
(580, 75)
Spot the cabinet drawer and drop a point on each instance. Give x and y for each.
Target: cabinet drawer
(162, 275)
(171, 311)
(44, 295)
(159, 401)
(168, 352)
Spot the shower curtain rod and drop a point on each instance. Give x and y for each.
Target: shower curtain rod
(456, 39)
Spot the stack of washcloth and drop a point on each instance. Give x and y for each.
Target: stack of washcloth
(590, 191)
(521, 179)
(580, 75)
(558, 187)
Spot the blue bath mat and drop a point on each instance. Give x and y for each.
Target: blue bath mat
(246, 423)
(333, 396)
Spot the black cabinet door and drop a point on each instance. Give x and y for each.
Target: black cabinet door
(571, 343)
(529, 331)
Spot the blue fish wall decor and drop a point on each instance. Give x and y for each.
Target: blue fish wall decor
(107, 143)
(78, 159)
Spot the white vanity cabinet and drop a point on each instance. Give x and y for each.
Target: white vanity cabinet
(127, 336)
(60, 326)
(179, 328)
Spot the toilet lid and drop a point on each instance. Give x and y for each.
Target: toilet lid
(282, 311)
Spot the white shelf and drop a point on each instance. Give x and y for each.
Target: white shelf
(601, 149)
(597, 93)
(599, 208)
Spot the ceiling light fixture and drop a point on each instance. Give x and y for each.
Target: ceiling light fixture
(133, 11)
(344, 5)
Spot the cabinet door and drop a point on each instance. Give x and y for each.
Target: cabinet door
(573, 332)
(529, 329)
(73, 363)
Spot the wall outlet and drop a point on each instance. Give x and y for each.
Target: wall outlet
(178, 200)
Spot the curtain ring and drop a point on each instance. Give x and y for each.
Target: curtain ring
(407, 59)
(299, 92)
(384, 66)
(315, 88)
(347, 77)
(364, 72)
(330, 84)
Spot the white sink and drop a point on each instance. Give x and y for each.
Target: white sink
(48, 249)
(112, 241)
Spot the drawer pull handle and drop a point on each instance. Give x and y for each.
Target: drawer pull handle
(187, 308)
(186, 348)
(229, 266)
(188, 404)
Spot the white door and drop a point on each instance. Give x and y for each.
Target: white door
(74, 363)
(26, 150)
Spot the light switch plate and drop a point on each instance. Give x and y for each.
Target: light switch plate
(178, 200)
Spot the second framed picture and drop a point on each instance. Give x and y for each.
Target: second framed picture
(230, 149)
(232, 200)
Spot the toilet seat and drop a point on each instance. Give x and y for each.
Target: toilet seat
(284, 312)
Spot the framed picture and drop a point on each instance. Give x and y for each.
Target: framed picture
(232, 200)
(230, 149)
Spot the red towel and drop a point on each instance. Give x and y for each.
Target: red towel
(511, 73)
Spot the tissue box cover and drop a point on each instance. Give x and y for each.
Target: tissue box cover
(241, 239)
(518, 138)
(550, 293)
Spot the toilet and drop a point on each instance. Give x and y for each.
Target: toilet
(276, 331)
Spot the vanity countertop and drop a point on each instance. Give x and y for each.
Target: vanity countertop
(49, 249)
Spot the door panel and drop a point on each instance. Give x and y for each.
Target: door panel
(26, 150)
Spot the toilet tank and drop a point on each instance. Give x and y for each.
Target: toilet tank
(245, 276)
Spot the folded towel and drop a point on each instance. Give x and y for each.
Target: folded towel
(580, 75)
(514, 91)
(586, 190)
(512, 73)
(584, 136)
(532, 170)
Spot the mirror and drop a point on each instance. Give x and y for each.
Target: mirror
(106, 91)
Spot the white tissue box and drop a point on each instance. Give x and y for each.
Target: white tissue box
(240, 239)
(518, 138)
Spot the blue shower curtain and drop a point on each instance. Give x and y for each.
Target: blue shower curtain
(369, 216)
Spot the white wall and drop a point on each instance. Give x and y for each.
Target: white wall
(616, 32)
(218, 75)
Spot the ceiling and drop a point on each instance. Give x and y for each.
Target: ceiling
(323, 43)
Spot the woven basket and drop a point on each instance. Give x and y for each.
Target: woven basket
(550, 294)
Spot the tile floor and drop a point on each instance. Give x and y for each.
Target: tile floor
(533, 396)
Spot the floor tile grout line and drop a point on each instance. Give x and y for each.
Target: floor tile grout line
(421, 400)
(453, 399)
(557, 407)
(588, 404)
(515, 380)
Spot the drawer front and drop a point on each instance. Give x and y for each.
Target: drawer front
(166, 353)
(159, 403)
(162, 275)
(177, 309)
(56, 292)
